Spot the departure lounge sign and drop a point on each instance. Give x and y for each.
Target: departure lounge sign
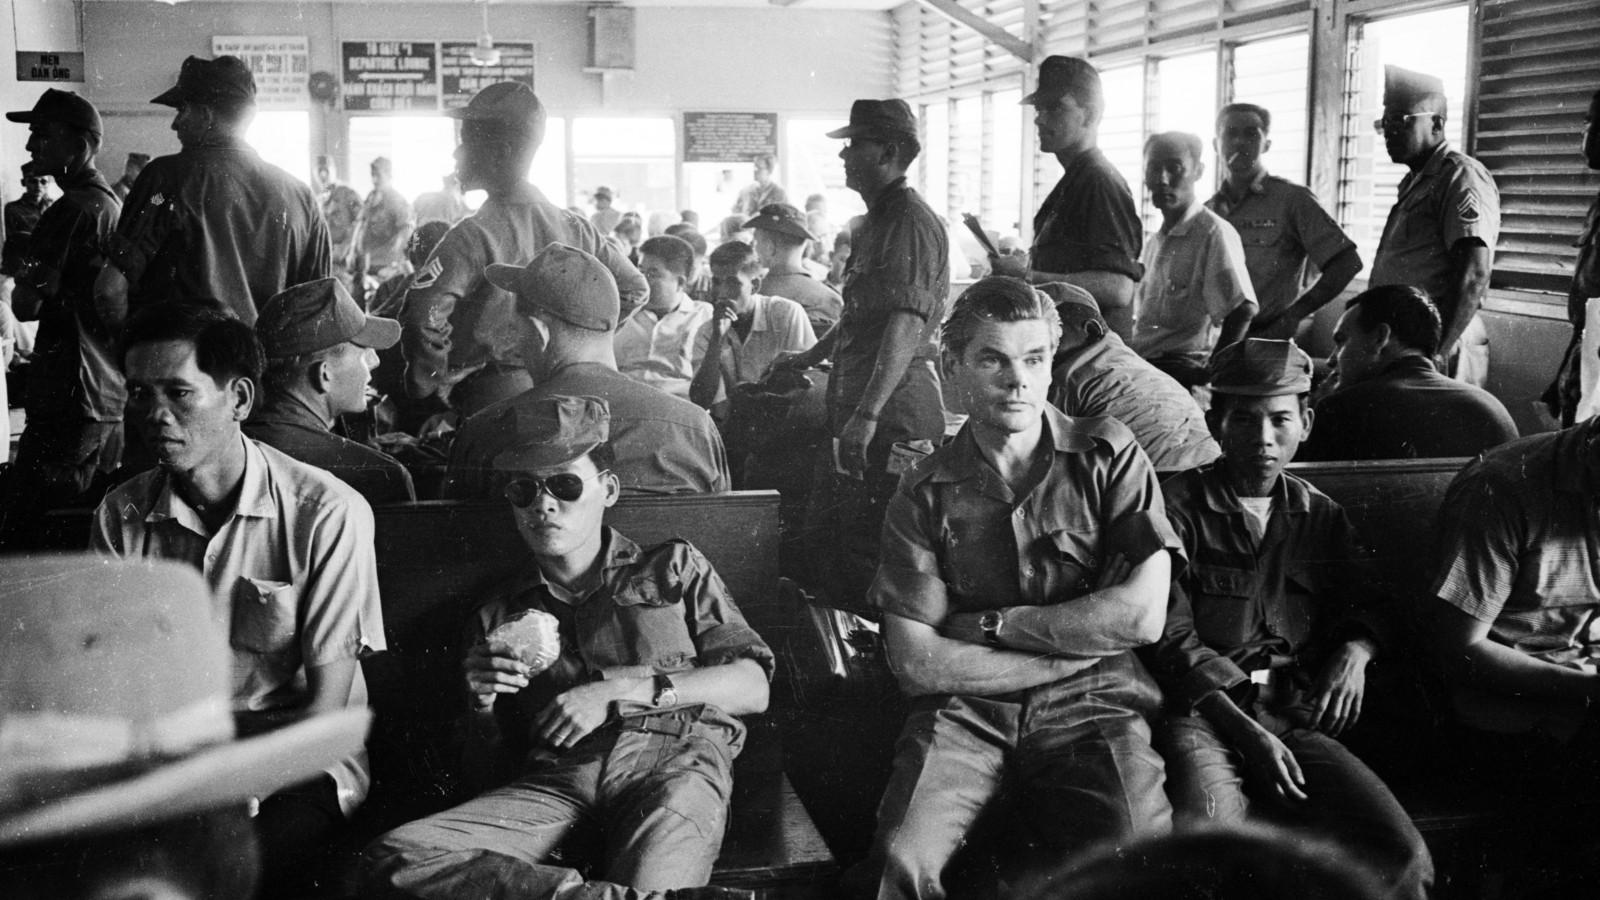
(728, 137)
(391, 76)
(49, 65)
(459, 78)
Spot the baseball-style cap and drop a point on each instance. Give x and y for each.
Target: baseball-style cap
(782, 218)
(879, 119)
(62, 106)
(1403, 89)
(565, 282)
(603, 193)
(115, 703)
(554, 430)
(1259, 367)
(508, 103)
(1060, 74)
(209, 81)
(317, 315)
(1071, 298)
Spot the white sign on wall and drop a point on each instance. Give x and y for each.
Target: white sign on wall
(280, 64)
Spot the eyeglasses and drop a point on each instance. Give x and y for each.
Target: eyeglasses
(1395, 123)
(564, 486)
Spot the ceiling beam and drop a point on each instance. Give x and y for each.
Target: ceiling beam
(959, 14)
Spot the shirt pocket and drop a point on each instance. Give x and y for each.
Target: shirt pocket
(648, 629)
(264, 615)
(1073, 554)
(1224, 606)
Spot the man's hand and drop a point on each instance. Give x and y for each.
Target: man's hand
(1336, 702)
(793, 360)
(493, 669)
(853, 441)
(575, 712)
(1014, 265)
(1272, 762)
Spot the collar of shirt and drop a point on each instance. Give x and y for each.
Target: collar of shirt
(1289, 494)
(88, 176)
(616, 551)
(759, 321)
(255, 501)
(891, 192)
(1429, 169)
(685, 304)
(1078, 163)
(965, 461)
(1224, 203)
(777, 270)
(291, 409)
(1183, 224)
(1414, 364)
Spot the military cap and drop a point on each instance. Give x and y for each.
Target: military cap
(207, 81)
(603, 193)
(1059, 75)
(1071, 298)
(1259, 367)
(508, 103)
(879, 120)
(64, 107)
(317, 315)
(553, 430)
(1403, 89)
(565, 282)
(782, 218)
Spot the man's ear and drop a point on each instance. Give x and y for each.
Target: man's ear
(1381, 336)
(1266, 144)
(947, 363)
(1307, 416)
(612, 485)
(755, 284)
(1214, 423)
(242, 397)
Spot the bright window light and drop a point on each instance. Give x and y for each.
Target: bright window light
(282, 138)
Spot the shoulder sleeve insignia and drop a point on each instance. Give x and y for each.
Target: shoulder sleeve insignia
(428, 274)
(1467, 209)
(158, 199)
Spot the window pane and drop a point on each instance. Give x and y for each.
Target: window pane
(936, 156)
(1006, 203)
(1273, 74)
(283, 138)
(422, 149)
(814, 167)
(1433, 42)
(635, 157)
(966, 162)
(1122, 126)
(549, 170)
(1186, 100)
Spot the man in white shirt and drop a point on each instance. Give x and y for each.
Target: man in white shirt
(747, 331)
(656, 345)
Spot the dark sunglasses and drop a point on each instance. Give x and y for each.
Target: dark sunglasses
(564, 486)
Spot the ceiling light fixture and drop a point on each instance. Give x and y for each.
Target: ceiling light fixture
(485, 53)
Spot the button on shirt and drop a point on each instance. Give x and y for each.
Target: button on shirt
(293, 571)
(658, 348)
(217, 223)
(655, 611)
(455, 322)
(1283, 228)
(1106, 378)
(1195, 275)
(956, 539)
(1449, 199)
(776, 325)
(1089, 221)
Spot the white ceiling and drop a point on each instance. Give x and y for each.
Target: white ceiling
(657, 4)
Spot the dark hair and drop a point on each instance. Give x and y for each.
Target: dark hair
(691, 235)
(224, 347)
(906, 149)
(997, 298)
(1259, 112)
(674, 251)
(627, 228)
(1412, 318)
(1189, 142)
(518, 141)
(736, 255)
(284, 372)
(603, 455)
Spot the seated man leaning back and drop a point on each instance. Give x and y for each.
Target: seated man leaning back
(621, 705)
(1022, 563)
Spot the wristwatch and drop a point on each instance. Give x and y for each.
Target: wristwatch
(666, 692)
(990, 623)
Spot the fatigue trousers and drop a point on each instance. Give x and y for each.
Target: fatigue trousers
(1346, 800)
(1076, 753)
(658, 801)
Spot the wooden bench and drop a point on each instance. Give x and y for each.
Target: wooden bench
(437, 559)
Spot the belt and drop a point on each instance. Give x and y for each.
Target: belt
(675, 723)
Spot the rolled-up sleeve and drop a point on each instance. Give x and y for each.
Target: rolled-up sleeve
(908, 582)
(450, 273)
(721, 634)
(343, 616)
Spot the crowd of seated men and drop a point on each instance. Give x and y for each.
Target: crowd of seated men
(1117, 656)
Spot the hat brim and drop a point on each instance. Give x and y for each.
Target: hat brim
(379, 333)
(789, 228)
(540, 456)
(871, 133)
(1034, 98)
(504, 276)
(25, 117)
(1257, 390)
(172, 97)
(210, 778)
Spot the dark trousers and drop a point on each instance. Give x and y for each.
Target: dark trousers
(1207, 783)
(844, 522)
(60, 462)
(295, 826)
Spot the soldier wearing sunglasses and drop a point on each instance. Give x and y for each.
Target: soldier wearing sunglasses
(631, 728)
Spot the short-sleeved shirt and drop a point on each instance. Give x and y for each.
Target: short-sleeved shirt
(1195, 275)
(1106, 378)
(1089, 222)
(291, 427)
(821, 303)
(216, 223)
(776, 325)
(956, 539)
(656, 610)
(899, 262)
(293, 571)
(658, 348)
(341, 206)
(385, 225)
(455, 321)
(1519, 544)
(1407, 410)
(1289, 598)
(663, 445)
(1283, 228)
(74, 372)
(1451, 198)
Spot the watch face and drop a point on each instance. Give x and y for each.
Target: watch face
(990, 621)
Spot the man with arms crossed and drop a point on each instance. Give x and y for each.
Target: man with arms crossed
(1022, 563)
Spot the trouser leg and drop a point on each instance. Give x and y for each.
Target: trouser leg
(293, 828)
(947, 767)
(1205, 778)
(1094, 780)
(844, 520)
(665, 803)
